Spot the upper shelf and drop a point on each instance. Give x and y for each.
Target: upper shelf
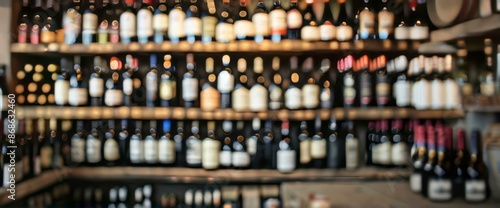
(179, 113)
(285, 46)
(473, 28)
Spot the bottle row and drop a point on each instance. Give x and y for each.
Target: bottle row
(441, 173)
(424, 83)
(223, 21)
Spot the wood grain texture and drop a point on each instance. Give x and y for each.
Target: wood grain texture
(472, 28)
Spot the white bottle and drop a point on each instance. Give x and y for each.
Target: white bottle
(210, 151)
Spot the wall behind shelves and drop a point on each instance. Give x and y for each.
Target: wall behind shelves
(5, 34)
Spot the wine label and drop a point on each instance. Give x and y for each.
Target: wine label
(189, 89)
(150, 151)
(168, 89)
(466, 89)
(452, 94)
(22, 33)
(225, 82)
(243, 29)
(241, 99)
(166, 151)
(209, 99)
(72, 21)
(225, 158)
(305, 151)
(252, 146)
(176, 24)
(193, 26)
(349, 95)
(77, 150)
(47, 36)
(261, 24)
(6, 175)
(136, 151)
(113, 97)
(399, 152)
(416, 182)
(210, 159)
(96, 87)
(77, 96)
(438, 95)
(366, 24)
(111, 150)
(326, 98)
(93, 150)
(487, 88)
(402, 33)
(275, 96)
(402, 93)
(293, 98)
(259, 96)
(385, 24)
(160, 22)
(344, 33)
(439, 189)
(193, 152)
(419, 33)
(224, 32)
(46, 155)
(294, 19)
(240, 159)
(145, 28)
(422, 100)
(61, 92)
(384, 151)
(327, 31)
(127, 25)
(3, 101)
(351, 153)
(278, 18)
(285, 160)
(128, 86)
(382, 90)
(310, 33)
(475, 190)
(90, 23)
(310, 95)
(37, 166)
(318, 149)
(209, 23)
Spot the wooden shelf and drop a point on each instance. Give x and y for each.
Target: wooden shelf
(473, 28)
(285, 46)
(483, 109)
(179, 113)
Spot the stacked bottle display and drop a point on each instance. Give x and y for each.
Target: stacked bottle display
(126, 21)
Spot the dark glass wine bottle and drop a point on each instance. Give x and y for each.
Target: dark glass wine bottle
(24, 22)
(343, 24)
(261, 20)
(176, 18)
(72, 17)
(224, 30)
(385, 23)
(476, 177)
(192, 24)
(294, 21)
(111, 147)
(439, 181)
(310, 30)
(418, 160)
(160, 20)
(144, 21)
(89, 25)
(225, 83)
(190, 84)
(209, 21)
(168, 83)
(243, 26)
(128, 32)
(277, 22)
(431, 157)
(459, 165)
(180, 145)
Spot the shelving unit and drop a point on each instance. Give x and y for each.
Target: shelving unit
(470, 29)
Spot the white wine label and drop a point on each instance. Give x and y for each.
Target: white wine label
(318, 149)
(252, 146)
(136, 151)
(111, 150)
(176, 24)
(475, 190)
(113, 97)
(305, 151)
(61, 92)
(310, 96)
(128, 86)
(3, 102)
(349, 95)
(224, 32)
(294, 19)
(258, 95)
(467, 89)
(77, 96)
(261, 24)
(189, 89)
(193, 26)
(209, 99)
(366, 23)
(351, 153)
(327, 31)
(240, 159)
(90, 22)
(382, 90)
(96, 87)
(487, 88)
(402, 93)
(77, 150)
(240, 99)
(416, 182)
(293, 98)
(402, 33)
(439, 189)
(400, 153)
(225, 82)
(452, 94)
(285, 160)
(210, 159)
(225, 158)
(193, 152)
(150, 151)
(145, 18)
(423, 98)
(166, 151)
(160, 22)
(209, 23)
(46, 155)
(384, 153)
(6, 172)
(385, 24)
(438, 95)
(419, 33)
(168, 89)
(244, 28)
(344, 33)
(325, 95)
(93, 150)
(152, 83)
(127, 24)
(310, 33)
(278, 21)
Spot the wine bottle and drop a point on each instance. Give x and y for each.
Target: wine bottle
(144, 21)
(310, 30)
(225, 83)
(476, 177)
(261, 22)
(351, 147)
(451, 88)
(383, 87)
(176, 29)
(136, 146)
(89, 25)
(403, 21)
(422, 84)
(293, 94)
(318, 146)
(180, 145)
(365, 81)
(73, 20)
(310, 90)
(370, 135)
(123, 138)
(4, 93)
(461, 74)
(93, 147)
(192, 23)
(437, 85)
(276, 88)
(420, 23)
(366, 21)
(402, 88)
(269, 158)
(226, 150)
(277, 22)
(209, 21)
(111, 148)
(399, 151)
(293, 21)
(168, 83)
(344, 24)
(151, 145)
(240, 158)
(326, 24)
(151, 80)
(77, 145)
(48, 33)
(77, 94)
(38, 18)
(385, 19)
(258, 92)
(114, 92)
(286, 156)
(194, 147)
(190, 84)
(486, 76)
(241, 92)
(160, 22)
(128, 23)
(209, 96)
(440, 184)
(104, 21)
(210, 151)
(166, 145)
(24, 22)
(305, 146)
(384, 148)
(431, 157)
(96, 84)
(224, 30)
(349, 90)
(253, 144)
(459, 167)
(42, 160)
(243, 27)
(418, 160)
